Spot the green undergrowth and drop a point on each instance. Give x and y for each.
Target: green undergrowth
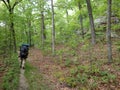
(11, 77)
(86, 72)
(35, 79)
(84, 77)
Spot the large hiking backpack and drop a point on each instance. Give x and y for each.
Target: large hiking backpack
(24, 51)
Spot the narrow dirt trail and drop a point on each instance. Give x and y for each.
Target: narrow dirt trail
(23, 85)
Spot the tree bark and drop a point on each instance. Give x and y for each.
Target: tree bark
(91, 21)
(81, 20)
(11, 13)
(53, 29)
(30, 33)
(43, 35)
(67, 15)
(108, 33)
(12, 30)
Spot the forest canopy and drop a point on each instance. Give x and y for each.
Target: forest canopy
(33, 21)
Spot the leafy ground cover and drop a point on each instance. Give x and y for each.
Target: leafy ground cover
(35, 79)
(81, 68)
(2, 72)
(9, 73)
(78, 69)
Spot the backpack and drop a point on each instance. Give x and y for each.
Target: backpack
(23, 50)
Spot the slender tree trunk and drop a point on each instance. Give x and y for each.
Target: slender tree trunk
(66, 1)
(11, 13)
(27, 36)
(42, 29)
(108, 34)
(30, 36)
(81, 20)
(67, 15)
(43, 35)
(12, 29)
(14, 37)
(53, 29)
(10, 41)
(91, 21)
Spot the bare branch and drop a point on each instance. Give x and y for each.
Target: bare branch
(5, 4)
(16, 4)
(8, 1)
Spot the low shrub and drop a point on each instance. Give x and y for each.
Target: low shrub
(11, 77)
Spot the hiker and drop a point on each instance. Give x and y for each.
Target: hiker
(24, 49)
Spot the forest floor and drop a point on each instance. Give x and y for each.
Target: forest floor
(55, 71)
(47, 67)
(1, 74)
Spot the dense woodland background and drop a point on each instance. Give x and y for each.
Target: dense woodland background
(81, 36)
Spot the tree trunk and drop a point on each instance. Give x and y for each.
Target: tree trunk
(11, 13)
(91, 21)
(14, 37)
(27, 36)
(53, 29)
(30, 36)
(108, 33)
(43, 35)
(12, 30)
(81, 20)
(67, 15)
